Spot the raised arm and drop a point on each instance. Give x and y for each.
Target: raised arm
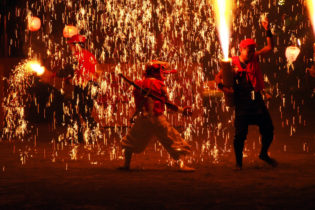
(269, 47)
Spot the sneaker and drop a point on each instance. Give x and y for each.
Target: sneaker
(124, 168)
(269, 160)
(238, 167)
(185, 168)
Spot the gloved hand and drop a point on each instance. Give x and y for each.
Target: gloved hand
(187, 111)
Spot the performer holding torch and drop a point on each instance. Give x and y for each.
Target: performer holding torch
(79, 81)
(151, 97)
(84, 80)
(250, 108)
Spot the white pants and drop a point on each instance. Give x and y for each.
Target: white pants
(147, 127)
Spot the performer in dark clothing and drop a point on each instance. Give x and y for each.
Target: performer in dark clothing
(84, 80)
(250, 108)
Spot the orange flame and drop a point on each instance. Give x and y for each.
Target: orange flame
(311, 11)
(35, 66)
(223, 17)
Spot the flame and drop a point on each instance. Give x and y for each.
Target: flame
(35, 66)
(311, 10)
(223, 16)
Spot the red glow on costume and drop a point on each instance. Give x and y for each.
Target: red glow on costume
(156, 88)
(253, 71)
(87, 65)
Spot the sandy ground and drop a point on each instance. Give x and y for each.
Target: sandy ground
(41, 177)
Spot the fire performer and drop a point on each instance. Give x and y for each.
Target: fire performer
(79, 82)
(84, 80)
(151, 121)
(250, 108)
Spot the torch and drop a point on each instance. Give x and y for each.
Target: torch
(311, 10)
(50, 78)
(35, 67)
(223, 16)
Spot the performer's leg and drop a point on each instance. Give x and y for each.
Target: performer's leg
(137, 139)
(78, 109)
(241, 130)
(172, 141)
(88, 103)
(170, 138)
(266, 131)
(128, 156)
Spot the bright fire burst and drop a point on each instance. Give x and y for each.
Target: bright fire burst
(35, 66)
(311, 10)
(223, 16)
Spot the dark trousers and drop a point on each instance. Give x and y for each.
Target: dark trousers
(82, 104)
(241, 129)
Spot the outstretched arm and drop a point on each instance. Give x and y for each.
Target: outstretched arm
(186, 110)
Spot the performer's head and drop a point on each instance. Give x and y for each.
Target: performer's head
(76, 43)
(158, 70)
(154, 71)
(247, 49)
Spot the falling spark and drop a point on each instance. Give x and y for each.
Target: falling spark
(111, 27)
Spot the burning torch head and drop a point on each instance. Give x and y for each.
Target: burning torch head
(158, 69)
(35, 67)
(247, 49)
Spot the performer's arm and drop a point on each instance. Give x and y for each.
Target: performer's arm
(270, 45)
(164, 94)
(67, 71)
(186, 110)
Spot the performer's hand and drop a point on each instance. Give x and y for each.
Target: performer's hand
(227, 90)
(47, 77)
(267, 95)
(211, 85)
(311, 71)
(187, 111)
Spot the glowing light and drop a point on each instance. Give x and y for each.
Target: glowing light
(35, 66)
(291, 53)
(281, 2)
(311, 11)
(69, 31)
(223, 16)
(82, 11)
(34, 23)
